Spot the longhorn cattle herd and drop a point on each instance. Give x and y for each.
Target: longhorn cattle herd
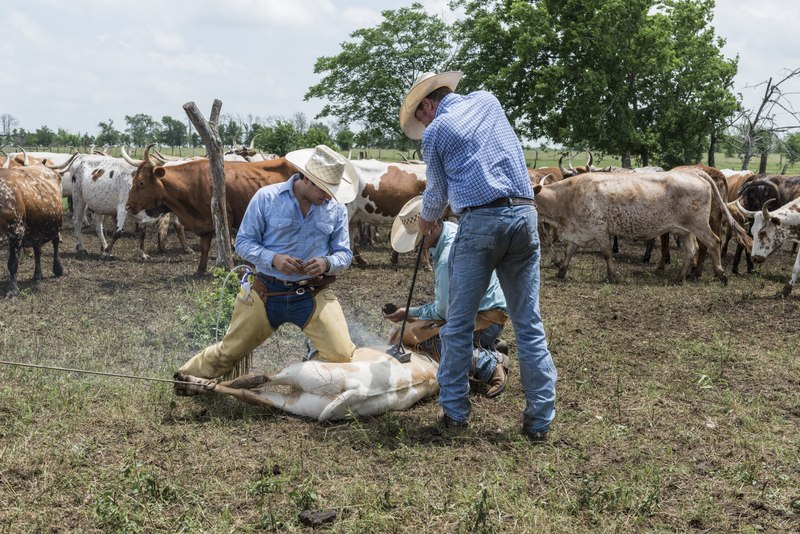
(580, 207)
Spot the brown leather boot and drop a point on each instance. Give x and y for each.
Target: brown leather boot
(497, 382)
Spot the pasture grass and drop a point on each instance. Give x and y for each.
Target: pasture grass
(678, 410)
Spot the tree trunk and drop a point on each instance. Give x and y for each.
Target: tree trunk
(210, 134)
(762, 164)
(645, 158)
(626, 159)
(712, 147)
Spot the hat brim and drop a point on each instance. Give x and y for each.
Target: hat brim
(410, 125)
(402, 240)
(345, 191)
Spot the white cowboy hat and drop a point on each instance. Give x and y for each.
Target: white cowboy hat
(424, 85)
(329, 170)
(405, 228)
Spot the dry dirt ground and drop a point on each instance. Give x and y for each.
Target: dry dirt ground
(677, 410)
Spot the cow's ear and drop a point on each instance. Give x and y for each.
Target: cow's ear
(159, 172)
(537, 188)
(776, 221)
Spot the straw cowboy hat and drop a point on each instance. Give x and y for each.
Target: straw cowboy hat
(424, 85)
(405, 228)
(329, 170)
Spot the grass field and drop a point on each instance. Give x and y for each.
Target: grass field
(678, 410)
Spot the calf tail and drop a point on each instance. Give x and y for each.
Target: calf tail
(742, 237)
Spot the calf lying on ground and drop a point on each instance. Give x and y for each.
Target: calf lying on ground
(373, 383)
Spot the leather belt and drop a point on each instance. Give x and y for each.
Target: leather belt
(310, 285)
(504, 202)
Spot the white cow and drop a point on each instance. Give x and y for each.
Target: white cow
(372, 383)
(101, 184)
(771, 230)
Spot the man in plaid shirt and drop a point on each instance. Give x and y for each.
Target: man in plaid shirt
(476, 164)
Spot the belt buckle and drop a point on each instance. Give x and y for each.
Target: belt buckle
(300, 291)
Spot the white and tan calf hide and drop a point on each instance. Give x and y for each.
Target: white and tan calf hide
(372, 383)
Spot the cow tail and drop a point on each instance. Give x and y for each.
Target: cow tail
(742, 237)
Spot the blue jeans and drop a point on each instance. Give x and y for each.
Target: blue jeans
(506, 240)
(484, 357)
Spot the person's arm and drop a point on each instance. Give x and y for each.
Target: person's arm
(436, 310)
(248, 238)
(341, 256)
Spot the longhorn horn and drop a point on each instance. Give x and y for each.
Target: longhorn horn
(738, 204)
(589, 160)
(149, 158)
(126, 157)
(765, 211)
(755, 183)
(64, 167)
(571, 168)
(25, 160)
(564, 172)
(543, 181)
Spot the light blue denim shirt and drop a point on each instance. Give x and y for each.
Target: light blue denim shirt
(437, 310)
(273, 224)
(473, 155)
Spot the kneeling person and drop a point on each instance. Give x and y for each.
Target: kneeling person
(422, 330)
(296, 236)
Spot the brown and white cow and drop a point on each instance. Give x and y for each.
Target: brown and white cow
(372, 383)
(186, 190)
(31, 213)
(589, 208)
(383, 189)
(771, 229)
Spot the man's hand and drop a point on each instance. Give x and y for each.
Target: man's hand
(397, 316)
(426, 227)
(315, 267)
(287, 264)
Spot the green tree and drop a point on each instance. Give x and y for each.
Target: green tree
(231, 131)
(619, 76)
(791, 148)
(142, 129)
(279, 139)
(108, 134)
(365, 83)
(318, 134)
(344, 139)
(172, 132)
(65, 138)
(43, 137)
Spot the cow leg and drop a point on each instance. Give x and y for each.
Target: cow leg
(608, 255)
(161, 234)
(352, 227)
(78, 215)
(648, 251)
(564, 265)
(787, 289)
(689, 248)
(37, 262)
(121, 214)
(180, 231)
(205, 246)
(140, 231)
(14, 247)
(98, 229)
(712, 243)
(395, 259)
(737, 256)
(615, 246)
(426, 261)
(58, 270)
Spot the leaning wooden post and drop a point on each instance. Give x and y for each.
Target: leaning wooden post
(208, 131)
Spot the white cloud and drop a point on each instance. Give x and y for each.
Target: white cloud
(23, 25)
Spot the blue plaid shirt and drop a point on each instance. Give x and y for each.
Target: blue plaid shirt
(273, 224)
(473, 155)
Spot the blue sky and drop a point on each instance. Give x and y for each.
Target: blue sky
(71, 64)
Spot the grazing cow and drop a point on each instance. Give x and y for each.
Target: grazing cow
(372, 383)
(186, 190)
(383, 189)
(31, 213)
(590, 208)
(771, 230)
